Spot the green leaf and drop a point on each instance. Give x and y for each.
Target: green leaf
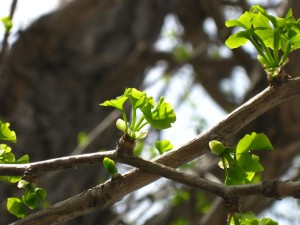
(267, 35)
(16, 207)
(7, 134)
(249, 218)
(33, 195)
(249, 162)
(243, 21)
(7, 23)
(7, 158)
(268, 221)
(260, 21)
(257, 9)
(41, 193)
(236, 176)
(238, 39)
(137, 98)
(116, 103)
(254, 142)
(23, 160)
(11, 179)
(162, 116)
(110, 166)
(30, 199)
(163, 146)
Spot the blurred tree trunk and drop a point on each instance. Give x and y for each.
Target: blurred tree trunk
(61, 68)
(66, 63)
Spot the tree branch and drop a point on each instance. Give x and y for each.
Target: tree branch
(38, 168)
(273, 189)
(103, 196)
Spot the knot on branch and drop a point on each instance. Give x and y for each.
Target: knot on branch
(125, 146)
(281, 78)
(30, 175)
(232, 205)
(269, 189)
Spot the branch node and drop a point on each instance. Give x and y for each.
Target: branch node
(125, 146)
(30, 174)
(278, 80)
(269, 189)
(232, 204)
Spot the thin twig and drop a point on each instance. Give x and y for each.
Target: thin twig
(42, 167)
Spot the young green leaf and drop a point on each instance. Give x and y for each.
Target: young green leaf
(138, 99)
(236, 175)
(162, 116)
(163, 146)
(33, 195)
(16, 207)
(254, 142)
(110, 166)
(7, 23)
(23, 160)
(243, 21)
(116, 103)
(238, 39)
(7, 134)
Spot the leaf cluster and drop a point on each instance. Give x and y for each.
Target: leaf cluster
(240, 164)
(249, 218)
(273, 37)
(6, 155)
(31, 198)
(33, 194)
(158, 116)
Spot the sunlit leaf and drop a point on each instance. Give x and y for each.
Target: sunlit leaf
(7, 22)
(238, 39)
(6, 133)
(260, 21)
(16, 207)
(162, 116)
(137, 98)
(116, 103)
(163, 146)
(254, 142)
(23, 160)
(243, 21)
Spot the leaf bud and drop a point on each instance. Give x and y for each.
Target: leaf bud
(216, 147)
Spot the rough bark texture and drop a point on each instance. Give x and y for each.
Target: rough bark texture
(67, 62)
